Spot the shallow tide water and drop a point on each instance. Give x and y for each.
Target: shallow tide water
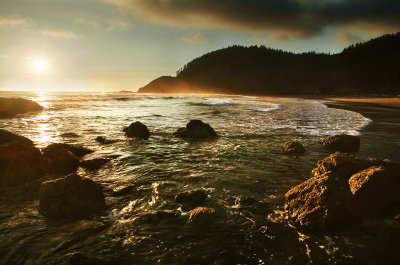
(245, 164)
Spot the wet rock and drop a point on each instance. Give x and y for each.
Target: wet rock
(70, 135)
(160, 216)
(76, 150)
(374, 189)
(9, 107)
(94, 164)
(202, 216)
(293, 148)
(342, 143)
(60, 161)
(20, 163)
(124, 190)
(192, 197)
(104, 140)
(196, 129)
(70, 197)
(137, 129)
(345, 165)
(320, 203)
(7, 137)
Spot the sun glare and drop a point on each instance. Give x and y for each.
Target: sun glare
(40, 65)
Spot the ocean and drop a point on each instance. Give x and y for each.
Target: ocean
(244, 173)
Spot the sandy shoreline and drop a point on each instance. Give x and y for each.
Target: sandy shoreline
(392, 102)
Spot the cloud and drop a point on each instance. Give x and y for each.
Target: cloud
(194, 38)
(12, 21)
(106, 24)
(53, 33)
(283, 18)
(346, 38)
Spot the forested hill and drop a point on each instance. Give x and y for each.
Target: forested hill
(371, 67)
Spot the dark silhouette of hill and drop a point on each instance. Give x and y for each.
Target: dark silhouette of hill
(371, 67)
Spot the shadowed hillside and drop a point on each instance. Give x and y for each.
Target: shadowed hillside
(371, 67)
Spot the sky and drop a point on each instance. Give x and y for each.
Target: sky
(113, 45)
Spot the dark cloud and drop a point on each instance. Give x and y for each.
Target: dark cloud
(295, 18)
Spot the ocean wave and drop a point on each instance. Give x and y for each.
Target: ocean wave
(273, 108)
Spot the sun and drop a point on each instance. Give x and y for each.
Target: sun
(40, 65)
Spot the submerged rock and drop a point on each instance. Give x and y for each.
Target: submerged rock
(7, 137)
(137, 129)
(375, 188)
(76, 150)
(104, 140)
(20, 163)
(320, 202)
(196, 129)
(124, 190)
(70, 135)
(70, 197)
(293, 148)
(94, 164)
(192, 197)
(202, 216)
(9, 107)
(342, 143)
(160, 216)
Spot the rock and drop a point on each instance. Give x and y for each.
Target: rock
(70, 135)
(124, 190)
(59, 160)
(70, 197)
(192, 197)
(344, 165)
(137, 129)
(9, 107)
(342, 143)
(7, 137)
(76, 150)
(94, 164)
(196, 129)
(160, 216)
(374, 189)
(202, 216)
(320, 203)
(20, 163)
(104, 140)
(293, 148)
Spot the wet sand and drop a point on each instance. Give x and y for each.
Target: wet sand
(391, 102)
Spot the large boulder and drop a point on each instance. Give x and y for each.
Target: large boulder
(70, 197)
(293, 148)
(342, 143)
(7, 137)
(63, 158)
(137, 129)
(375, 188)
(319, 203)
(94, 164)
(20, 163)
(9, 107)
(196, 129)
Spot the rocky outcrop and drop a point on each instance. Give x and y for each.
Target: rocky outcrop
(202, 216)
(7, 137)
(344, 188)
(62, 158)
(104, 140)
(94, 164)
(320, 202)
(375, 188)
(70, 197)
(293, 148)
(342, 143)
(9, 107)
(137, 129)
(191, 197)
(196, 129)
(20, 163)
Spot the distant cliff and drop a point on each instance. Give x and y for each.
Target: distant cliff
(371, 67)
